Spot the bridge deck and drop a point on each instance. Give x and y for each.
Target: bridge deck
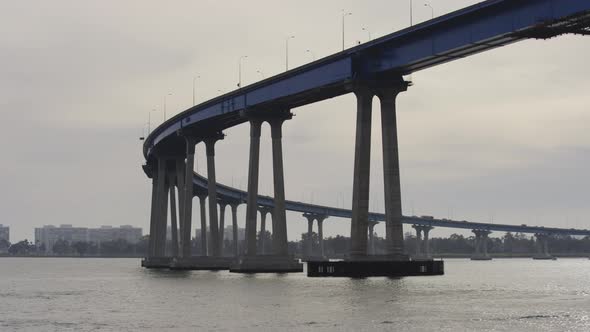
(231, 194)
(468, 31)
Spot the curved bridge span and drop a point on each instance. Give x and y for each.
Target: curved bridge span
(372, 69)
(229, 196)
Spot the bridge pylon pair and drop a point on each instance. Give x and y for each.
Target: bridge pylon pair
(387, 92)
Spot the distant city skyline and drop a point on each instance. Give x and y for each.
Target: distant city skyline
(4, 232)
(48, 235)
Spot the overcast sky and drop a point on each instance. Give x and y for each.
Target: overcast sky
(499, 136)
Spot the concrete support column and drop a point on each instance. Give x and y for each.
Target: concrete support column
(477, 243)
(180, 185)
(391, 174)
(310, 218)
(372, 225)
(222, 206)
(280, 245)
(539, 243)
(162, 233)
(418, 229)
(153, 216)
(546, 245)
(204, 244)
(212, 193)
(543, 246)
(484, 243)
(160, 246)
(188, 195)
(362, 168)
(481, 244)
(234, 223)
(320, 221)
(252, 204)
(426, 231)
(262, 234)
(174, 225)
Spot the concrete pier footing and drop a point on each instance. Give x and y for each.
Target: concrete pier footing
(266, 264)
(188, 263)
(375, 268)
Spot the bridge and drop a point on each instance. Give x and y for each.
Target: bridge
(372, 69)
(228, 196)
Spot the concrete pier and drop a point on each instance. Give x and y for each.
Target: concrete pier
(320, 219)
(422, 242)
(361, 175)
(372, 249)
(187, 209)
(153, 217)
(234, 223)
(203, 216)
(212, 193)
(542, 244)
(162, 204)
(309, 253)
(280, 260)
(173, 221)
(481, 245)
(180, 166)
(426, 246)
(280, 245)
(391, 175)
(222, 206)
(309, 243)
(252, 204)
(394, 262)
(264, 211)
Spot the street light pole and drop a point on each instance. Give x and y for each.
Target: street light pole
(368, 32)
(194, 79)
(240, 70)
(150, 120)
(343, 16)
(287, 52)
(312, 54)
(166, 97)
(431, 9)
(411, 14)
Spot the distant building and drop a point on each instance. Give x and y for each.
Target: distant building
(4, 233)
(228, 234)
(109, 233)
(48, 235)
(4, 236)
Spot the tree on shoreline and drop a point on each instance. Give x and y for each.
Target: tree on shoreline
(23, 247)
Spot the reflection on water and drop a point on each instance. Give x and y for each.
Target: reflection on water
(116, 294)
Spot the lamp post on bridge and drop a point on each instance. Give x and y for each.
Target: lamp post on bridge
(165, 101)
(194, 79)
(411, 14)
(344, 14)
(150, 120)
(240, 70)
(260, 73)
(431, 10)
(312, 54)
(368, 32)
(287, 52)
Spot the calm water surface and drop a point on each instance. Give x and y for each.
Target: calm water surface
(66, 294)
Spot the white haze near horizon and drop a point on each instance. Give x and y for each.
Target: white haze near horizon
(499, 136)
